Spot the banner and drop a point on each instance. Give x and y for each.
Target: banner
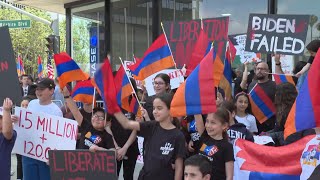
(239, 42)
(282, 34)
(94, 50)
(8, 69)
(182, 36)
(83, 165)
(37, 133)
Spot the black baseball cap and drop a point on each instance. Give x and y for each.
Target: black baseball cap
(46, 83)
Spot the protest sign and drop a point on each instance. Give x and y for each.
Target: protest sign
(239, 42)
(82, 165)
(38, 133)
(8, 69)
(283, 34)
(182, 36)
(287, 64)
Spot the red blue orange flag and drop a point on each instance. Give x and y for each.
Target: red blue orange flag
(135, 107)
(104, 82)
(83, 92)
(199, 51)
(305, 112)
(282, 78)
(68, 70)
(158, 57)
(196, 95)
(20, 67)
(261, 105)
(254, 161)
(40, 69)
(226, 80)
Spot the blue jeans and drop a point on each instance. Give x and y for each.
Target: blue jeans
(34, 169)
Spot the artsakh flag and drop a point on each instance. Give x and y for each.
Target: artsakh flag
(305, 112)
(261, 105)
(197, 95)
(254, 161)
(83, 92)
(158, 57)
(68, 70)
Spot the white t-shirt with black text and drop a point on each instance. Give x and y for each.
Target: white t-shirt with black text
(248, 120)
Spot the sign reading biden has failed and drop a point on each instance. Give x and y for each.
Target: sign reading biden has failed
(283, 34)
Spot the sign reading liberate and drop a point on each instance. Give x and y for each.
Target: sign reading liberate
(16, 23)
(283, 34)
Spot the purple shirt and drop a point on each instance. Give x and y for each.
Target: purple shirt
(5, 155)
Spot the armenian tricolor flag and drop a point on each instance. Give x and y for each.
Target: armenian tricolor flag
(68, 70)
(226, 80)
(282, 78)
(158, 57)
(196, 95)
(20, 67)
(40, 69)
(261, 105)
(104, 82)
(83, 92)
(199, 51)
(305, 112)
(254, 161)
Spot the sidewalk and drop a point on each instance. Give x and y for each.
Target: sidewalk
(14, 168)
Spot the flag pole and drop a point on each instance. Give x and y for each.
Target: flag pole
(281, 74)
(93, 99)
(164, 32)
(134, 92)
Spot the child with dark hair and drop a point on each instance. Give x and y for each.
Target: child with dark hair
(197, 167)
(164, 143)
(243, 112)
(214, 143)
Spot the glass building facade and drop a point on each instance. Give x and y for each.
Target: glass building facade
(124, 28)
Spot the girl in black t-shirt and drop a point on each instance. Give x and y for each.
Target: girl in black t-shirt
(164, 143)
(214, 143)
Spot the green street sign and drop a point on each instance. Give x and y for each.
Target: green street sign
(16, 23)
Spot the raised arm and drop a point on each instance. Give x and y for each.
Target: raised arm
(126, 123)
(199, 123)
(244, 80)
(278, 68)
(72, 106)
(7, 129)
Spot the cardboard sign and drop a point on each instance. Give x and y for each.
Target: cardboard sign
(83, 165)
(8, 69)
(287, 64)
(182, 36)
(239, 42)
(283, 34)
(38, 133)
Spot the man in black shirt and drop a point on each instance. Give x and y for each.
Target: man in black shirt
(269, 87)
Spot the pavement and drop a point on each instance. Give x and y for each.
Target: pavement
(14, 169)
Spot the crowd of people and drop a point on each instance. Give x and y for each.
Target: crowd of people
(192, 147)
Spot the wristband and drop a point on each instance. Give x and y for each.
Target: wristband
(66, 97)
(278, 64)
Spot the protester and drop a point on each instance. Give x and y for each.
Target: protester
(214, 143)
(57, 95)
(86, 111)
(244, 113)
(34, 169)
(7, 139)
(197, 167)
(236, 130)
(162, 135)
(25, 87)
(161, 84)
(269, 87)
(93, 134)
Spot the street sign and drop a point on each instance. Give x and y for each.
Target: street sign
(16, 23)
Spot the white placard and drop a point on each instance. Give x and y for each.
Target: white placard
(287, 64)
(37, 133)
(140, 146)
(263, 140)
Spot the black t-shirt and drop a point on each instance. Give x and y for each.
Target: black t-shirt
(218, 152)
(86, 116)
(239, 130)
(310, 60)
(90, 136)
(121, 135)
(149, 106)
(190, 129)
(162, 148)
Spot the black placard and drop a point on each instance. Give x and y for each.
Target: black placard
(8, 69)
(82, 165)
(182, 36)
(283, 34)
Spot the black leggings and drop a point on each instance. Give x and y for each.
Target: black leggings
(19, 166)
(128, 166)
